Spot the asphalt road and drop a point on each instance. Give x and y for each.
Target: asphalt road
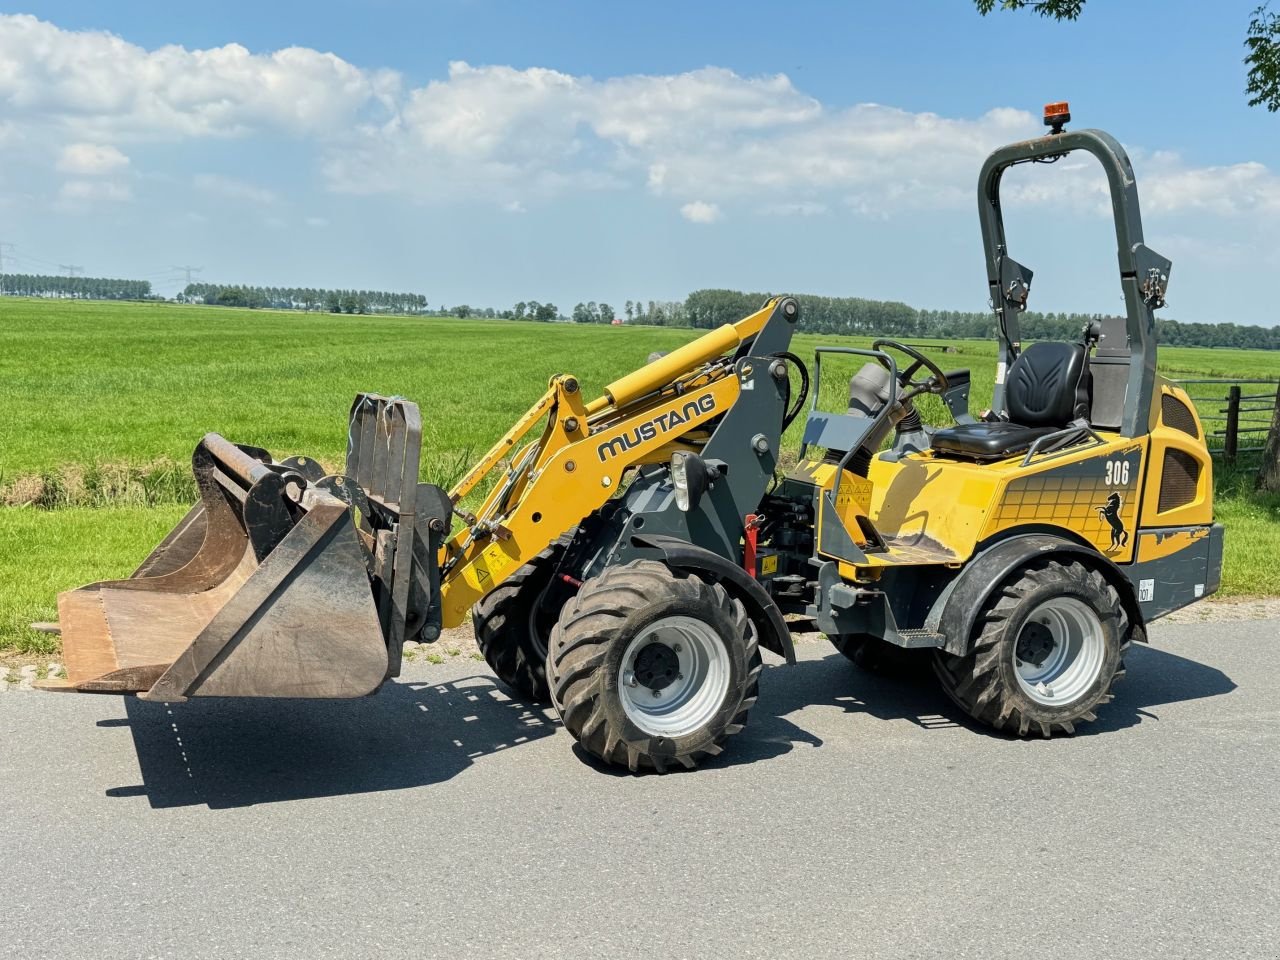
(853, 817)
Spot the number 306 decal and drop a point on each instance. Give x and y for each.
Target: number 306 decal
(1117, 473)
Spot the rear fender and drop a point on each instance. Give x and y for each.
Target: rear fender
(955, 612)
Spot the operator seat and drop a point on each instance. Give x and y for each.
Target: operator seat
(1049, 386)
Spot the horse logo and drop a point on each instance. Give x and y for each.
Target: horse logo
(1110, 512)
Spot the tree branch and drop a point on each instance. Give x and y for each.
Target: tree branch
(1263, 59)
(1057, 9)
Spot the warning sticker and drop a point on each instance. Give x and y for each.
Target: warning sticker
(489, 567)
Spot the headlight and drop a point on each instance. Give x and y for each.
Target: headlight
(680, 478)
(690, 476)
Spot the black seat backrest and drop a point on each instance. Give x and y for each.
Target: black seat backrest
(1049, 385)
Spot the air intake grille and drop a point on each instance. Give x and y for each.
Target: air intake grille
(1179, 480)
(1175, 414)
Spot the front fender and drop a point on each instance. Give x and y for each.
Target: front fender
(764, 614)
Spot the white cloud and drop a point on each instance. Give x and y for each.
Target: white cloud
(700, 212)
(232, 189)
(708, 139)
(1240, 188)
(515, 206)
(1166, 185)
(98, 82)
(82, 192)
(797, 208)
(91, 159)
(540, 132)
(318, 223)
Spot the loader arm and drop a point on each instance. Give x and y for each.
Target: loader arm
(552, 484)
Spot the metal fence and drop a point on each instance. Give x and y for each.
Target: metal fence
(1236, 414)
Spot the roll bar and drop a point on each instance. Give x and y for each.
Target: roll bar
(1144, 274)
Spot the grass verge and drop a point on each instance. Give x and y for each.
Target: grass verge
(45, 551)
(1252, 521)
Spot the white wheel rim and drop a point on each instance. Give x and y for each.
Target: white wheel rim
(674, 676)
(1059, 652)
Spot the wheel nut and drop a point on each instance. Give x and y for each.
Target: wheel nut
(657, 693)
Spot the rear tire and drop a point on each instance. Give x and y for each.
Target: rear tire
(1047, 649)
(513, 624)
(652, 669)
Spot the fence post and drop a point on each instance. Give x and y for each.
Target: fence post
(1231, 441)
(1269, 472)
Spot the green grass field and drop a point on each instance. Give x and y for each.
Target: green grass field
(103, 403)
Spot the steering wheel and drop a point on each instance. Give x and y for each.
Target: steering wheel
(937, 381)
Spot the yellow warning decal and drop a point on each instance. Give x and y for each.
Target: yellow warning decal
(855, 491)
(489, 567)
(769, 565)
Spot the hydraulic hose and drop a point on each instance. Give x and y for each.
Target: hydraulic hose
(804, 387)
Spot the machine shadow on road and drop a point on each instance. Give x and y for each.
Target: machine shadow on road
(1154, 678)
(233, 753)
(239, 752)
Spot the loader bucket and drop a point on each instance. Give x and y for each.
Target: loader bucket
(268, 587)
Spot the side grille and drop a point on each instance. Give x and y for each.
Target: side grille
(1178, 481)
(1175, 414)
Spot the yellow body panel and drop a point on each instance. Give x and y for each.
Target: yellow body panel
(934, 510)
(1172, 447)
(1072, 491)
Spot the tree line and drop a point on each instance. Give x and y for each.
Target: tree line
(304, 298)
(859, 317)
(73, 288)
(660, 313)
(656, 313)
(702, 309)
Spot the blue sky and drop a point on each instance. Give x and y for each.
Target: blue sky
(487, 152)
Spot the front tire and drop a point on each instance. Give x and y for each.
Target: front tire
(651, 668)
(1047, 650)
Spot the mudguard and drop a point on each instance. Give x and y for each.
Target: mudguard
(955, 611)
(763, 612)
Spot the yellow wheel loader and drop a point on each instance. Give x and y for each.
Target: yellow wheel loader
(636, 552)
